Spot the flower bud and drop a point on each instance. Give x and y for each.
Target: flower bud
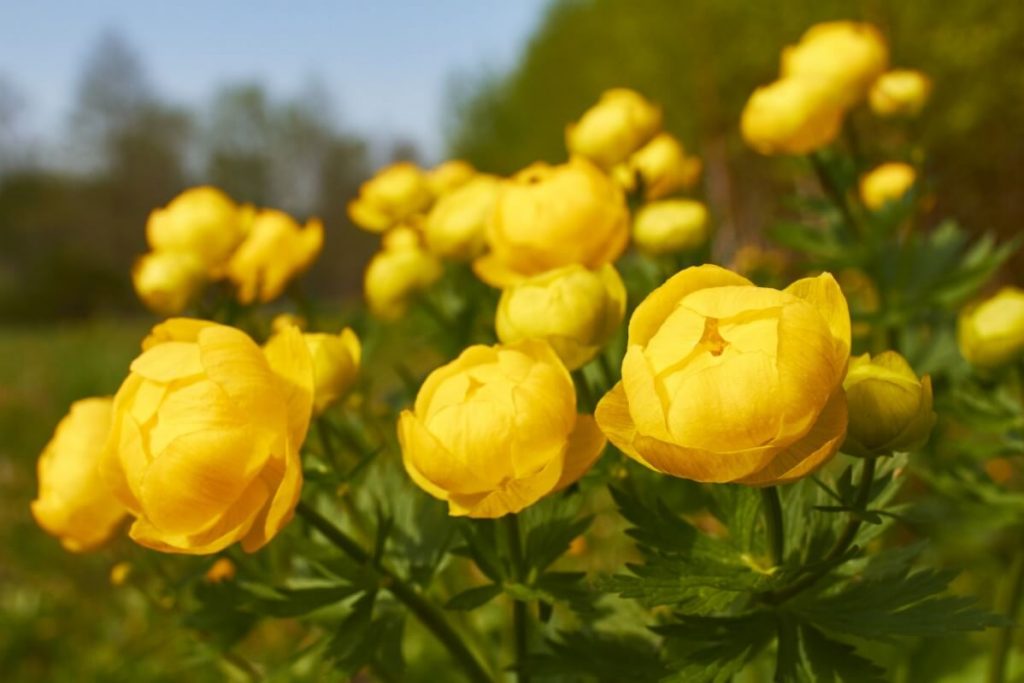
(496, 429)
(890, 408)
(282, 321)
(886, 183)
(221, 570)
(399, 270)
(335, 365)
(275, 251)
(74, 504)
(574, 309)
(901, 92)
(120, 573)
(395, 194)
(790, 116)
(203, 222)
(844, 56)
(615, 127)
(663, 166)
(991, 333)
(449, 176)
(456, 225)
(168, 281)
(670, 225)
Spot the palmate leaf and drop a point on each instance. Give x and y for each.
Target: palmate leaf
(830, 661)
(702, 586)
(597, 656)
(549, 527)
(371, 635)
(713, 649)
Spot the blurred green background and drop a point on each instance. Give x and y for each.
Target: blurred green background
(69, 321)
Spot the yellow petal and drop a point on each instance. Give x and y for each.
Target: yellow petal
(511, 497)
(444, 469)
(288, 356)
(495, 272)
(586, 443)
(824, 294)
(169, 361)
(613, 417)
(288, 488)
(175, 329)
(703, 465)
(233, 361)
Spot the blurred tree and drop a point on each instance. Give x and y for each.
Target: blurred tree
(14, 151)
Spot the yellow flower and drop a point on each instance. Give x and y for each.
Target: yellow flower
(845, 56)
(991, 333)
(168, 281)
(790, 116)
(396, 272)
(120, 573)
(204, 447)
(900, 92)
(551, 216)
(663, 165)
(449, 176)
(890, 408)
(335, 365)
(275, 251)
(670, 225)
(574, 309)
(395, 194)
(202, 221)
(455, 226)
(886, 183)
(221, 570)
(615, 127)
(496, 429)
(727, 382)
(74, 504)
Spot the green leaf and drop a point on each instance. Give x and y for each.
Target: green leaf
(293, 602)
(833, 662)
(475, 597)
(606, 658)
(713, 649)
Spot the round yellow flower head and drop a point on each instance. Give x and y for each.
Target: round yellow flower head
(455, 226)
(202, 221)
(496, 430)
(890, 408)
(335, 365)
(550, 216)
(790, 116)
(845, 56)
(204, 446)
(574, 309)
(991, 333)
(395, 194)
(275, 251)
(886, 183)
(396, 272)
(449, 175)
(221, 570)
(900, 92)
(670, 225)
(663, 165)
(168, 281)
(727, 382)
(74, 503)
(615, 127)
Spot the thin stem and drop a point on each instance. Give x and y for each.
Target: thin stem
(834, 192)
(428, 614)
(1012, 594)
(773, 524)
(520, 616)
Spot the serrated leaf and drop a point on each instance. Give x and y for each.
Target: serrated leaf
(713, 649)
(475, 597)
(607, 658)
(294, 602)
(833, 662)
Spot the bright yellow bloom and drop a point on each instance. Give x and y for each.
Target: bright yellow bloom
(221, 570)
(670, 225)
(890, 408)
(615, 127)
(396, 272)
(168, 281)
(663, 165)
(395, 194)
(74, 504)
(335, 365)
(991, 333)
(574, 309)
(275, 251)
(845, 56)
(886, 183)
(727, 382)
(790, 116)
(551, 216)
(900, 92)
(456, 225)
(203, 222)
(496, 429)
(449, 176)
(204, 447)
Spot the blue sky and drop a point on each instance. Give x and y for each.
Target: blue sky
(385, 62)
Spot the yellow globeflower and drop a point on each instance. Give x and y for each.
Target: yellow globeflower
(202, 221)
(670, 225)
(727, 382)
(496, 429)
(574, 309)
(890, 408)
(901, 92)
(335, 365)
(399, 270)
(845, 56)
(886, 183)
(551, 216)
(790, 116)
(74, 504)
(168, 281)
(449, 175)
(395, 194)
(991, 333)
(204, 446)
(615, 127)
(275, 251)
(663, 165)
(455, 226)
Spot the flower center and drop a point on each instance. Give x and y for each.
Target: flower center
(711, 340)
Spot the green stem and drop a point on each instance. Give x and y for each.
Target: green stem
(834, 192)
(1010, 604)
(428, 614)
(520, 615)
(773, 524)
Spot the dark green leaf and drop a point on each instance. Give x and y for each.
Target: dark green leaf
(475, 597)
